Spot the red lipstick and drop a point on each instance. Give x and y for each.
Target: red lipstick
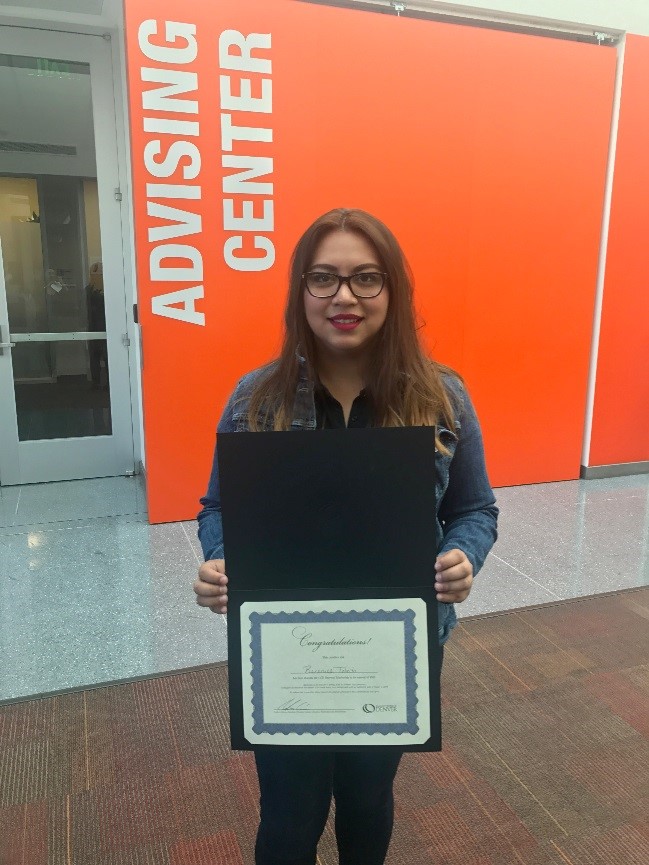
(345, 322)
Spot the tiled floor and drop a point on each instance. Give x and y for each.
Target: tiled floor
(90, 592)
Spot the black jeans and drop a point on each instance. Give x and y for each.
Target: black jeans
(296, 790)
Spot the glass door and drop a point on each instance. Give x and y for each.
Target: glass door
(64, 382)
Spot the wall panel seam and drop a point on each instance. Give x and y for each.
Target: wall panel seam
(603, 251)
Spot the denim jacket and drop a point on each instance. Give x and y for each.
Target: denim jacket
(466, 508)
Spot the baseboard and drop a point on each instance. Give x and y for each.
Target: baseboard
(615, 470)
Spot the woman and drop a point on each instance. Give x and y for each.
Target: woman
(351, 358)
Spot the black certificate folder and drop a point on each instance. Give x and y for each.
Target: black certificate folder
(343, 516)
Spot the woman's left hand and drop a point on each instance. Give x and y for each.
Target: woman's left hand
(453, 577)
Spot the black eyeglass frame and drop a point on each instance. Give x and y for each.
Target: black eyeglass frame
(346, 279)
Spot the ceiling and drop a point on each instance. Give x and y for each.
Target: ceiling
(62, 13)
(85, 7)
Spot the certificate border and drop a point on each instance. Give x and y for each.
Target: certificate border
(406, 616)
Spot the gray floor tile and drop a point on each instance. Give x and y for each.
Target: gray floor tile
(190, 529)
(60, 525)
(99, 497)
(140, 494)
(599, 545)
(92, 618)
(107, 539)
(90, 592)
(189, 639)
(498, 587)
(635, 482)
(9, 497)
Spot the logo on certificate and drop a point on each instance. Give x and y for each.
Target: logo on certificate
(370, 707)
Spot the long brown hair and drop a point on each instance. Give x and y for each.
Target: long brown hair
(405, 386)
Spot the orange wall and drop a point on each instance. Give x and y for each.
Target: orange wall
(620, 432)
(484, 151)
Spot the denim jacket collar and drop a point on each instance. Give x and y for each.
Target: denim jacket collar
(304, 414)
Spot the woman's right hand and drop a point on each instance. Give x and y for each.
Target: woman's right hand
(211, 587)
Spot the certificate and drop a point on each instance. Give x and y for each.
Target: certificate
(335, 672)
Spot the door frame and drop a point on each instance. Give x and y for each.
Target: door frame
(92, 456)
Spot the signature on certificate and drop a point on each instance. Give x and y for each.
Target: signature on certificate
(293, 706)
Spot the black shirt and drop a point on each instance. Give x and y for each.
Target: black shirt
(329, 412)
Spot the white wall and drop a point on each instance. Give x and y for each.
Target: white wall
(631, 16)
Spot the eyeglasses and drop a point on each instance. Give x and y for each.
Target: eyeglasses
(367, 283)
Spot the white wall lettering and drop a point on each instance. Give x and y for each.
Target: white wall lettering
(180, 305)
(163, 158)
(241, 59)
(159, 254)
(246, 263)
(163, 98)
(178, 150)
(174, 30)
(251, 94)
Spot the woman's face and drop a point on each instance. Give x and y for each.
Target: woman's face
(345, 324)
